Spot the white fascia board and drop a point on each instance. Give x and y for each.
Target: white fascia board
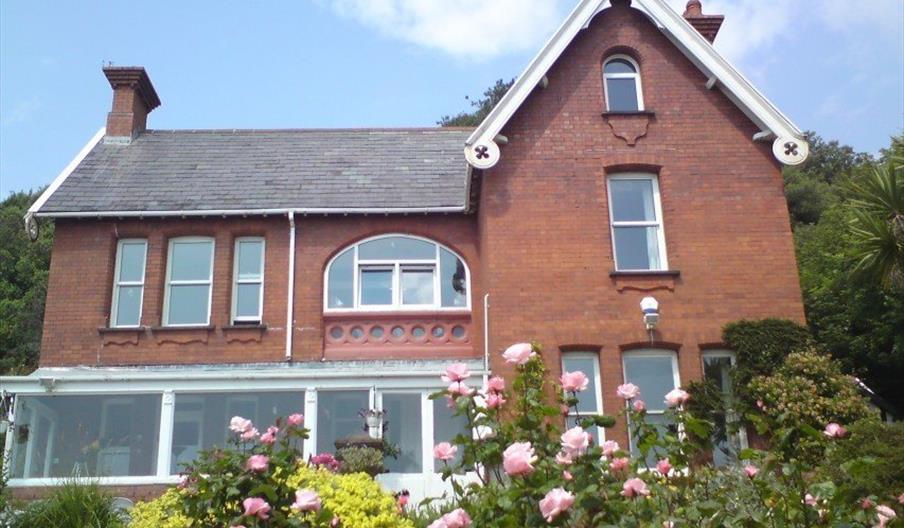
(255, 212)
(679, 31)
(61, 177)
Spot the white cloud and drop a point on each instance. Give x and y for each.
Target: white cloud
(879, 17)
(21, 111)
(472, 29)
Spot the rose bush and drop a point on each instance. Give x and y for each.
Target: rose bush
(529, 472)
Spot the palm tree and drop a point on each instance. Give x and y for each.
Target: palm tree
(877, 225)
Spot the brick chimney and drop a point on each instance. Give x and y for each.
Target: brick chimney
(134, 98)
(707, 25)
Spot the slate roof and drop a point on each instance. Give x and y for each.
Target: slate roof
(197, 170)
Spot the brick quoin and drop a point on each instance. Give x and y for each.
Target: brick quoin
(539, 243)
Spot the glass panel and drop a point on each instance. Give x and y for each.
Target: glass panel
(636, 248)
(340, 281)
(653, 375)
(446, 427)
(586, 398)
(128, 306)
(131, 262)
(188, 304)
(89, 436)
(191, 260)
(417, 286)
(403, 430)
(337, 416)
(619, 66)
(632, 200)
(201, 421)
(453, 279)
(247, 302)
(376, 286)
(718, 370)
(622, 95)
(250, 259)
(397, 248)
(663, 425)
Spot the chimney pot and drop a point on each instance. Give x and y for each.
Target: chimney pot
(707, 25)
(134, 98)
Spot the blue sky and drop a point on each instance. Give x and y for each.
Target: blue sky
(833, 66)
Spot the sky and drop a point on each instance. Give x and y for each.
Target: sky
(833, 66)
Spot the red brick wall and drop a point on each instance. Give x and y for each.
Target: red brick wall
(81, 279)
(545, 243)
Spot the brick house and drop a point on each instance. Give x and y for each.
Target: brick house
(201, 274)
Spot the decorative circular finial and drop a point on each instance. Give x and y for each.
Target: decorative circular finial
(790, 151)
(482, 155)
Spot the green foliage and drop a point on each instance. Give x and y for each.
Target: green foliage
(871, 462)
(72, 505)
(358, 459)
(24, 267)
(482, 106)
(162, 512)
(761, 346)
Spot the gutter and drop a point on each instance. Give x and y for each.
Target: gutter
(290, 302)
(252, 212)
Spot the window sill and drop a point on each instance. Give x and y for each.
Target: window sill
(629, 126)
(645, 273)
(648, 113)
(244, 333)
(182, 335)
(115, 335)
(645, 280)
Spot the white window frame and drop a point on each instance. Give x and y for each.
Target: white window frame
(653, 353)
(659, 224)
(635, 76)
(396, 266)
(170, 283)
(117, 283)
(236, 280)
(731, 415)
(597, 380)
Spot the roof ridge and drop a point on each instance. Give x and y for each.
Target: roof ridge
(270, 130)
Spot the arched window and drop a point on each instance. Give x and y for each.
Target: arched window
(396, 272)
(621, 82)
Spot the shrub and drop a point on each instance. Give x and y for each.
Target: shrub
(358, 459)
(71, 505)
(761, 346)
(163, 512)
(870, 463)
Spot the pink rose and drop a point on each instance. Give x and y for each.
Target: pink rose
(257, 463)
(495, 400)
(833, 430)
(634, 487)
(456, 372)
(664, 466)
(575, 441)
(809, 500)
(760, 405)
(458, 389)
(519, 353)
(901, 498)
(574, 381)
(751, 470)
(457, 518)
(256, 507)
(270, 436)
(885, 514)
(628, 391)
(866, 504)
(295, 419)
(495, 384)
(564, 459)
(676, 397)
(306, 500)
(239, 425)
(517, 459)
(639, 406)
(250, 434)
(619, 464)
(567, 476)
(610, 447)
(444, 451)
(556, 502)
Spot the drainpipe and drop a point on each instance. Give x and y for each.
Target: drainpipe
(290, 302)
(486, 338)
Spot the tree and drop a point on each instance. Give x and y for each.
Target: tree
(483, 106)
(24, 267)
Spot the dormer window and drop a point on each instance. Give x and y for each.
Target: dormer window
(396, 272)
(621, 82)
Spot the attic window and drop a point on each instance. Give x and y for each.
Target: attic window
(621, 83)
